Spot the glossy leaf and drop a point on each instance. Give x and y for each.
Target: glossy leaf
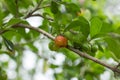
(113, 45)
(85, 27)
(9, 44)
(81, 25)
(73, 25)
(95, 27)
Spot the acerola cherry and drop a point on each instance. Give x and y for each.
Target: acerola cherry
(61, 41)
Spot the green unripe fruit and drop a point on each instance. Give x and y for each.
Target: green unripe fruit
(86, 47)
(75, 37)
(52, 46)
(68, 34)
(94, 48)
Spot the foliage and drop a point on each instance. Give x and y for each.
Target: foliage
(84, 24)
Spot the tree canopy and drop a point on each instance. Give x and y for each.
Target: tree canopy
(27, 50)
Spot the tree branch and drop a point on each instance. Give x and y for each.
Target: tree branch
(36, 29)
(85, 55)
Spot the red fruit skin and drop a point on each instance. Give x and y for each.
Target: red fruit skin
(61, 41)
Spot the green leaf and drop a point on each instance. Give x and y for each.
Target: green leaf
(1, 16)
(75, 25)
(81, 25)
(71, 55)
(54, 7)
(96, 69)
(0, 45)
(95, 27)
(26, 4)
(106, 27)
(72, 8)
(32, 47)
(12, 22)
(32, 34)
(117, 30)
(8, 44)
(63, 18)
(89, 77)
(20, 34)
(45, 26)
(12, 33)
(3, 75)
(85, 27)
(55, 27)
(11, 6)
(53, 66)
(114, 46)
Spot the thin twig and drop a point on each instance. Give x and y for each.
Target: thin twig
(117, 65)
(30, 14)
(44, 6)
(42, 17)
(3, 31)
(85, 55)
(36, 8)
(39, 4)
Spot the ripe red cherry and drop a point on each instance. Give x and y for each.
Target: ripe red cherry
(61, 41)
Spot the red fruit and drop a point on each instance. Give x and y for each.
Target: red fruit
(61, 41)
